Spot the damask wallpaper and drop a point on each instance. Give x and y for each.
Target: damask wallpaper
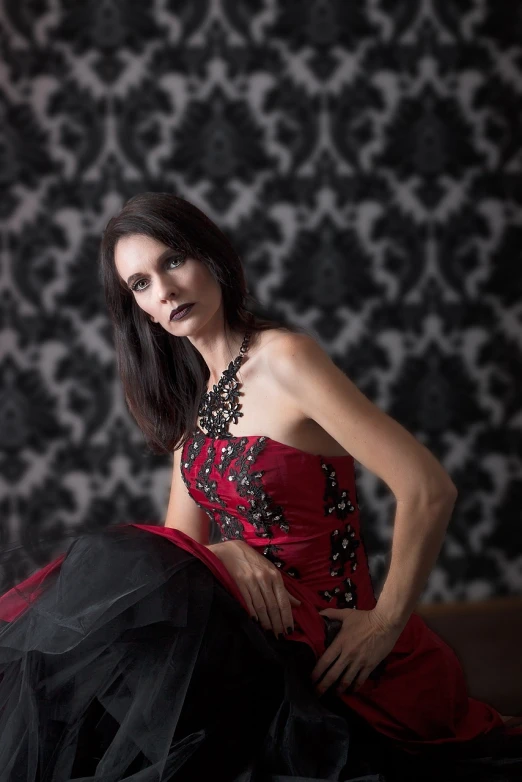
(365, 159)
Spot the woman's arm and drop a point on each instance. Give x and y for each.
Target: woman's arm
(258, 579)
(183, 512)
(419, 531)
(424, 491)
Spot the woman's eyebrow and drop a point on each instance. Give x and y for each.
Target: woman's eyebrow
(159, 259)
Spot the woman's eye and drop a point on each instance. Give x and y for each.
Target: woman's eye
(172, 260)
(137, 285)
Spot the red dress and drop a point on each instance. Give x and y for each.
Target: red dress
(300, 511)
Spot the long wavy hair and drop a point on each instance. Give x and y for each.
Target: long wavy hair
(164, 376)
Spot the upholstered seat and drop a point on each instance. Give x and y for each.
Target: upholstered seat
(487, 637)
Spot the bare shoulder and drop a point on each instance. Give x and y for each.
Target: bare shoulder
(287, 352)
(274, 336)
(290, 359)
(302, 372)
(285, 343)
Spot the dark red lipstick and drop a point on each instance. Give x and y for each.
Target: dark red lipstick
(181, 311)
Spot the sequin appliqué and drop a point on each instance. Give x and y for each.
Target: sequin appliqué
(194, 448)
(260, 511)
(343, 541)
(204, 482)
(270, 552)
(344, 594)
(337, 500)
(230, 452)
(230, 526)
(187, 483)
(343, 550)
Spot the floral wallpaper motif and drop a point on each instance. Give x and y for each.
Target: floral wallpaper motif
(364, 157)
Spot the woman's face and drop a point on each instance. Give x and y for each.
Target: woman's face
(160, 279)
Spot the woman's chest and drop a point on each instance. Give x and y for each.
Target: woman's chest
(260, 408)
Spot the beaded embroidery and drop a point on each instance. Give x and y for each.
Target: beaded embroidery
(219, 406)
(343, 547)
(345, 595)
(217, 409)
(259, 511)
(230, 527)
(228, 453)
(343, 544)
(195, 446)
(339, 503)
(188, 485)
(270, 553)
(204, 482)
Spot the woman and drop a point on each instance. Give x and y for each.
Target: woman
(150, 653)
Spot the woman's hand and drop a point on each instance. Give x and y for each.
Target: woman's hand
(362, 642)
(260, 583)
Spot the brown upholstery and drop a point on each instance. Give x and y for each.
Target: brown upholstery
(487, 638)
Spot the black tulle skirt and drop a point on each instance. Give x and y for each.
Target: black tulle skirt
(132, 662)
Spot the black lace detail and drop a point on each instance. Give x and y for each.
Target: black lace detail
(343, 550)
(188, 484)
(337, 500)
(204, 482)
(345, 594)
(194, 447)
(269, 552)
(260, 511)
(343, 542)
(219, 407)
(230, 452)
(230, 527)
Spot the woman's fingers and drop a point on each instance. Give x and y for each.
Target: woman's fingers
(336, 670)
(273, 609)
(332, 653)
(248, 600)
(261, 585)
(285, 608)
(350, 678)
(271, 593)
(262, 611)
(363, 674)
(271, 603)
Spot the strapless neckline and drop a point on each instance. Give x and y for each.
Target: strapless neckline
(200, 432)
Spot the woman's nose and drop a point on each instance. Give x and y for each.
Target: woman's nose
(166, 288)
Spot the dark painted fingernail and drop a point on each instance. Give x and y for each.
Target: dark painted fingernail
(289, 631)
(255, 619)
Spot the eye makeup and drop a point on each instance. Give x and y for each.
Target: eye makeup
(135, 285)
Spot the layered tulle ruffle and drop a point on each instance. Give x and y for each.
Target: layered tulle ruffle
(127, 658)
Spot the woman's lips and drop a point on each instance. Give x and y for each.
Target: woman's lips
(181, 313)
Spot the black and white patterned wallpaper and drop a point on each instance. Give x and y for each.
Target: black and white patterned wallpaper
(364, 157)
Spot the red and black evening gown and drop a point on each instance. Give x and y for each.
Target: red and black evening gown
(132, 655)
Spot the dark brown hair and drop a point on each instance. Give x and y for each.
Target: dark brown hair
(164, 376)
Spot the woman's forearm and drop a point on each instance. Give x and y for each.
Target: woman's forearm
(419, 531)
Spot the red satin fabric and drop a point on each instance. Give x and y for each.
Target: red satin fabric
(421, 698)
